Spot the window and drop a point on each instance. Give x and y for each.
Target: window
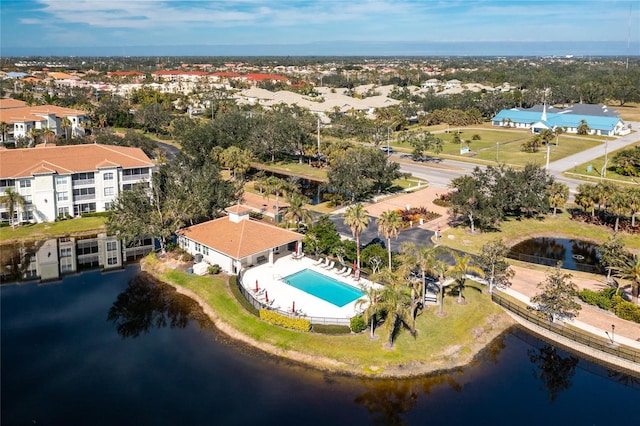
(28, 199)
(198, 247)
(108, 192)
(65, 252)
(112, 260)
(107, 206)
(63, 211)
(83, 176)
(84, 193)
(112, 245)
(61, 180)
(62, 196)
(84, 208)
(25, 183)
(66, 267)
(108, 176)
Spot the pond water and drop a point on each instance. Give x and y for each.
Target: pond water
(116, 348)
(576, 255)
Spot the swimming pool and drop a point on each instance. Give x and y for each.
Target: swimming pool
(323, 287)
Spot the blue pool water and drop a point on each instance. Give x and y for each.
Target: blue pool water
(323, 287)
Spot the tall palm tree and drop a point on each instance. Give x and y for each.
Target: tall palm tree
(237, 160)
(629, 269)
(395, 301)
(14, 201)
(440, 267)
(277, 186)
(357, 219)
(463, 266)
(372, 307)
(33, 134)
(65, 123)
(4, 129)
(389, 224)
(619, 206)
(633, 197)
(296, 211)
(424, 258)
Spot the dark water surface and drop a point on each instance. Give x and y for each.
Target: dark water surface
(114, 349)
(577, 255)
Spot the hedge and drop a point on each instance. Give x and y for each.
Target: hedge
(626, 310)
(275, 318)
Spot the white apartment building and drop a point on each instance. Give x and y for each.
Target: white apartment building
(69, 180)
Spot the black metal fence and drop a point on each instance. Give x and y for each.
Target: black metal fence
(595, 342)
(261, 304)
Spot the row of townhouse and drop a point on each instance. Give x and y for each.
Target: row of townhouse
(20, 119)
(63, 181)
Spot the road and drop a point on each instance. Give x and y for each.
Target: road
(439, 172)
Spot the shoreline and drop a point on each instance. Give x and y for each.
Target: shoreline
(405, 370)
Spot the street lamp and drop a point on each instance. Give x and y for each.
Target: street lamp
(613, 328)
(388, 136)
(498, 152)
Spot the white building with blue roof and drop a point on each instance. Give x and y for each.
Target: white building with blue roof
(601, 119)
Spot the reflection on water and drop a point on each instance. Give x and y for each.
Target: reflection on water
(554, 370)
(48, 260)
(146, 304)
(575, 255)
(161, 362)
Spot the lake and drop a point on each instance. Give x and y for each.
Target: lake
(117, 349)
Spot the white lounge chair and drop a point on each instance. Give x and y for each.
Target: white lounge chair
(330, 265)
(342, 271)
(320, 261)
(347, 272)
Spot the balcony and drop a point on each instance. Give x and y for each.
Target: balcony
(84, 197)
(80, 182)
(129, 178)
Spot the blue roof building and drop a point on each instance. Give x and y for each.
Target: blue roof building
(600, 119)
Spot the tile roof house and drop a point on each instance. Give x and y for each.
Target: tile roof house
(236, 242)
(70, 180)
(22, 118)
(601, 120)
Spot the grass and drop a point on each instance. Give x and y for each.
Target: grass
(580, 171)
(513, 230)
(53, 229)
(442, 342)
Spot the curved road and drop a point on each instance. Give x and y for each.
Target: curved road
(440, 171)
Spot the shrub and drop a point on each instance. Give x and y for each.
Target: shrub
(476, 137)
(214, 269)
(331, 329)
(595, 298)
(95, 214)
(628, 311)
(275, 318)
(358, 324)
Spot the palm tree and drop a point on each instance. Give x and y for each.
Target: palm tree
(441, 267)
(276, 186)
(619, 206)
(34, 133)
(424, 257)
(65, 123)
(373, 308)
(237, 160)
(4, 129)
(633, 197)
(395, 301)
(389, 224)
(357, 219)
(629, 269)
(13, 201)
(48, 135)
(586, 198)
(558, 193)
(557, 131)
(463, 266)
(296, 211)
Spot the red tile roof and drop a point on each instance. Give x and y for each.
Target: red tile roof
(16, 163)
(239, 240)
(261, 77)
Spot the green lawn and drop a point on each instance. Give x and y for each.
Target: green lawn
(53, 229)
(441, 342)
(580, 171)
(505, 146)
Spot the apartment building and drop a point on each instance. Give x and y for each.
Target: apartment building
(63, 181)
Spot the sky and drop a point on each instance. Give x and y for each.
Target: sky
(312, 27)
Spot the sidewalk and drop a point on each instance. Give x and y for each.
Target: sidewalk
(590, 318)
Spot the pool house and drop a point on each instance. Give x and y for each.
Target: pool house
(236, 242)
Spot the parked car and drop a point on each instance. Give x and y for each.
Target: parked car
(387, 149)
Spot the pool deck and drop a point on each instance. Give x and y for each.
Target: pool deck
(269, 278)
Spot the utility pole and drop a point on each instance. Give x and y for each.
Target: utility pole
(548, 154)
(388, 137)
(318, 138)
(604, 166)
